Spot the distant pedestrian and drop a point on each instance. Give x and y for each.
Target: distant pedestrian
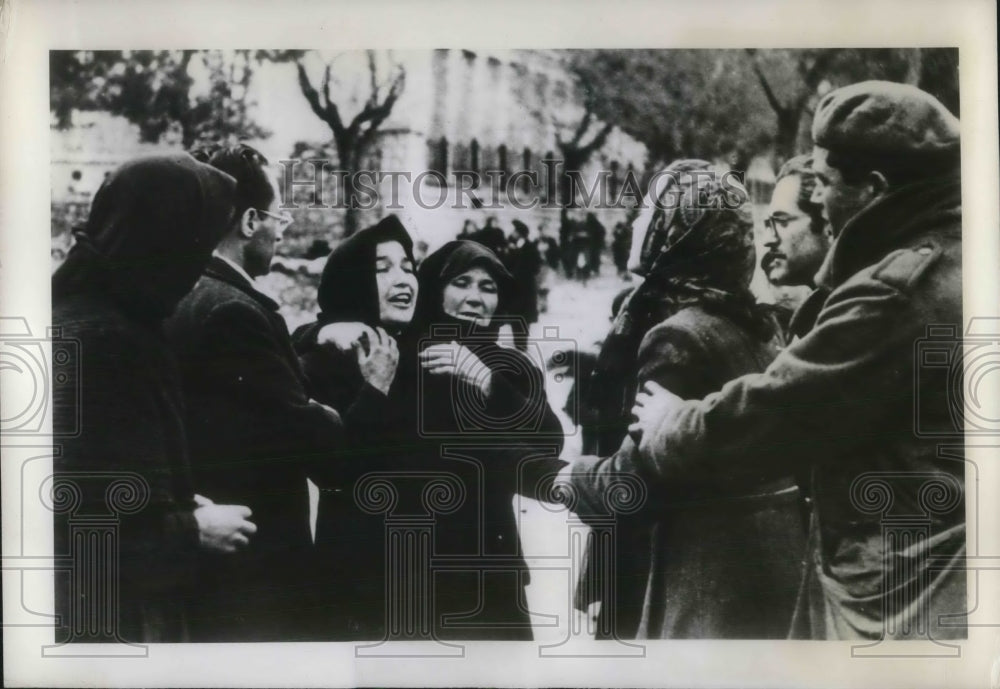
(621, 240)
(596, 234)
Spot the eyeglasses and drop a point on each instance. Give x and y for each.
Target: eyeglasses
(283, 219)
(772, 222)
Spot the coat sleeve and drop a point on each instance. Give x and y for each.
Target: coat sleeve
(670, 355)
(818, 396)
(333, 378)
(253, 365)
(523, 387)
(535, 445)
(131, 422)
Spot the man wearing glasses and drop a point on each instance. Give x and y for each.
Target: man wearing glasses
(797, 238)
(253, 430)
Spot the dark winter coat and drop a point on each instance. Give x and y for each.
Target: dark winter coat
(713, 559)
(255, 437)
(350, 541)
(131, 420)
(119, 410)
(868, 415)
(497, 447)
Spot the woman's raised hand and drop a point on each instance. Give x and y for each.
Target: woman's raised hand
(457, 360)
(378, 357)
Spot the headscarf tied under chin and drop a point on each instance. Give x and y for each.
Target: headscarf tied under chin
(438, 269)
(348, 290)
(696, 249)
(151, 230)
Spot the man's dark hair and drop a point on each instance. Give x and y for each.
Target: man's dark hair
(801, 167)
(246, 165)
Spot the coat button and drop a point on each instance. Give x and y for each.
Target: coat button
(924, 251)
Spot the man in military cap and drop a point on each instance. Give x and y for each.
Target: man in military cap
(888, 520)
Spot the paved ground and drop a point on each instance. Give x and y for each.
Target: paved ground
(578, 316)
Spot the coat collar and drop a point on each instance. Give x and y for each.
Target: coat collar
(892, 222)
(220, 269)
(807, 313)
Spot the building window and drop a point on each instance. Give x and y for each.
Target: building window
(502, 163)
(439, 156)
(474, 156)
(525, 181)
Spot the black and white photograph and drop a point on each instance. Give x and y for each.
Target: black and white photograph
(455, 362)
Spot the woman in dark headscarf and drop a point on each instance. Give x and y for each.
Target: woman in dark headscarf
(475, 392)
(151, 230)
(716, 560)
(369, 282)
(367, 292)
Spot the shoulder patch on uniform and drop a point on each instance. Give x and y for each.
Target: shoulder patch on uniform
(902, 268)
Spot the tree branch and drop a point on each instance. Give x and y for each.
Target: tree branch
(581, 130)
(376, 113)
(327, 112)
(772, 99)
(309, 91)
(598, 141)
(372, 78)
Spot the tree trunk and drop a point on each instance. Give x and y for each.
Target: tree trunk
(351, 213)
(786, 142)
(349, 162)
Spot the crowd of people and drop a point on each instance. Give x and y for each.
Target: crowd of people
(752, 430)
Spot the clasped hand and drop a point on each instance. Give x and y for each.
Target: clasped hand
(459, 361)
(652, 403)
(223, 528)
(376, 350)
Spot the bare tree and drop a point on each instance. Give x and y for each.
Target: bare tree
(811, 67)
(353, 139)
(585, 138)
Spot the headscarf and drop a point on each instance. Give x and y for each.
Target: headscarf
(151, 230)
(438, 269)
(695, 249)
(348, 290)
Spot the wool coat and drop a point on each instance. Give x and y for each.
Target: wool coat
(716, 558)
(857, 399)
(255, 437)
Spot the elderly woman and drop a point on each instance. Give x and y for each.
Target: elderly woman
(487, 422)
(715, 559)
(360, 346)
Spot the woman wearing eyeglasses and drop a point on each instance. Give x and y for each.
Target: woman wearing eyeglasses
(708, 560)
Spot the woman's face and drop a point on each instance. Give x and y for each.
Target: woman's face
(471, 296)
(396, 284)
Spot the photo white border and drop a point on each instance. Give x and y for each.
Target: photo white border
(33, 27)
